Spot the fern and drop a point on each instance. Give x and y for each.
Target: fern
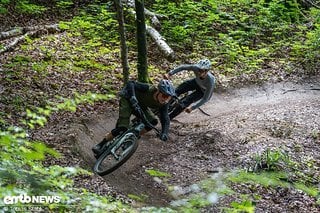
(24, 6)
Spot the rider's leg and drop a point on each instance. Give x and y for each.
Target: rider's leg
(121, 126)
(187, 101)
(192, 98)
(108, 137)
(186, 86)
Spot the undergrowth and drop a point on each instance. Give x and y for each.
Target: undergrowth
(246, 36)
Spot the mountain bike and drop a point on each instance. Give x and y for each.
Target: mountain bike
(116, 152)
(176, 103)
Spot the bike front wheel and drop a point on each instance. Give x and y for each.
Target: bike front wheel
(116, 155)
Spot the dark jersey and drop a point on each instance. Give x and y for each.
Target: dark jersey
(145, 96)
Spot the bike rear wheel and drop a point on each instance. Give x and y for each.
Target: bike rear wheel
(117, 154)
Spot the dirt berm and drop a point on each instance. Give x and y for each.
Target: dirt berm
(242, 122)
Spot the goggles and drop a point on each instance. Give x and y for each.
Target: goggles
(203, 71)
(165, 96)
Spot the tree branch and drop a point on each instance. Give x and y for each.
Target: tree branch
(15, 42)
(160, 41)
(22, 32)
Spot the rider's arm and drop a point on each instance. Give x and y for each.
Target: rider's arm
(180, 68)
(207, 94)
(164, 119)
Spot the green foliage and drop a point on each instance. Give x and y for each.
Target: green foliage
(139, 198)
(155, 173)
(274, 179)
(39, 118)
(197, 202)
(313, 191)
(305, 49)
(244, 35)
(21, 59)
(20, 164)
(315, 134)
(21, 6)
(275, 168)
(282, 172)
(3, 6)
(88, 98)
(24, 6)
(265, 179)
(284, 10)
(64, 4)
(313, 38)
(279, 161)
(246, 206)
(99, 25)
(152, 209)
(22, 172)
(188, 19)
(272, 160)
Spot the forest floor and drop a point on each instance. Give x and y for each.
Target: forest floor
(243, 122)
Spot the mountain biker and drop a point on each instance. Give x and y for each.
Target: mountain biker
(137, 97)
(202, 86)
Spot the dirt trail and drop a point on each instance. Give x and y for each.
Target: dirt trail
(242, 122)
(266, 96)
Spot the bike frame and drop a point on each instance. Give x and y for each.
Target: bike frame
(116, 152)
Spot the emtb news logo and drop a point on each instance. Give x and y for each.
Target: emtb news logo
(26, 199)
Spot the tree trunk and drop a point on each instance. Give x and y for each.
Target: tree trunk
(160, 41)
(141, 42)
(124, 48)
